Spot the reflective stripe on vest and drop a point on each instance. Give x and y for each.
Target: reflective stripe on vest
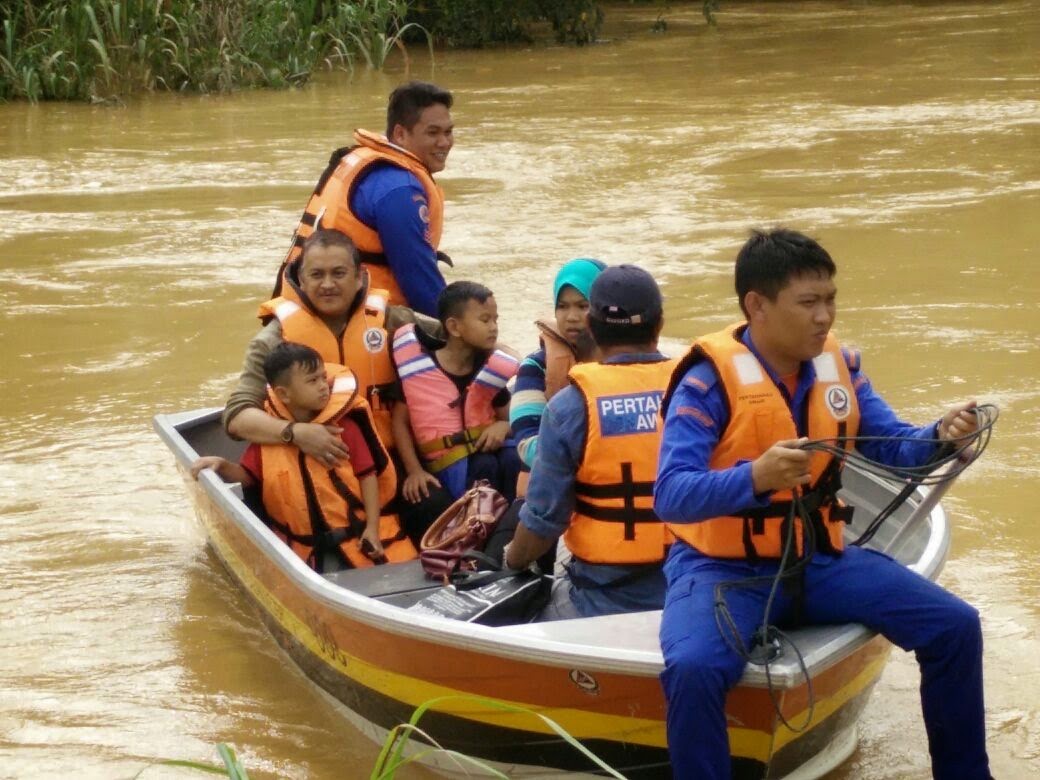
(329, 205)
(759, 417)
(316, 509)
(363, 346)
(613, 520)
(444, 425)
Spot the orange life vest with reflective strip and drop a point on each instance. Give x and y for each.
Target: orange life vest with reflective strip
(363, 346)
(760, 417)
(614, 520)
(444, 424)
(329, 206)
(315, 508)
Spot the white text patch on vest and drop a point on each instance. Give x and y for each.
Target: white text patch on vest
(620, 415)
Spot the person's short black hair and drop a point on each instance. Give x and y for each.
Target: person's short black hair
(607, 334)
(408, 101)
(770, 259)
(453, 298)
(279, 362)
(327, 237)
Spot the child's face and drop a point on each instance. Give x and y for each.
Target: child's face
(572, 314)
(308, 390)
(478, 325)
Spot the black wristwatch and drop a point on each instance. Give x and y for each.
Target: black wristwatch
(287, 433)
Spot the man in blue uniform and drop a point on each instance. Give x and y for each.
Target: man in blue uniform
(393, 201)
(597, 456)
(728, 457)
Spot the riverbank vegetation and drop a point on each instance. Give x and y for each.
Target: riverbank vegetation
(108, 49)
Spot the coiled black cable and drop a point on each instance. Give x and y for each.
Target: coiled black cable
(957, 453)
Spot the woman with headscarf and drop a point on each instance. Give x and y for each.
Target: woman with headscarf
(563, 341)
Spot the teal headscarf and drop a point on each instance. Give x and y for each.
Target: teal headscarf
(579, 273)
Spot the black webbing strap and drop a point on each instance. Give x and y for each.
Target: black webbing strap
(627, 489)
(372, 258)
(615, 514)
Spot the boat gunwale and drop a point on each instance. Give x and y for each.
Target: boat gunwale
(830, 644)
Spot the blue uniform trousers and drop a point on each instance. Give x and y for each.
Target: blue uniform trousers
(859, 586)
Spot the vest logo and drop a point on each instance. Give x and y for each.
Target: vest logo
(838, 402)
(424, 213)
(375, 339)
(622, 415)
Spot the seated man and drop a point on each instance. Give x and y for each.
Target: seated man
(330, 517)
(454, 426)
(327, 304)
(592, 481)
(739, 409)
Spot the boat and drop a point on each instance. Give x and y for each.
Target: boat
(365, 638)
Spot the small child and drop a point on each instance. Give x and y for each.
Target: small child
(453, 428)
(345, 499)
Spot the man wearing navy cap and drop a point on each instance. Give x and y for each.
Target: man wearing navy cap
(592, 481)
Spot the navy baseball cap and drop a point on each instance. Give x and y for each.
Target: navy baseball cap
(625, 295)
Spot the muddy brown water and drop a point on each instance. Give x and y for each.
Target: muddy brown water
(136, 242)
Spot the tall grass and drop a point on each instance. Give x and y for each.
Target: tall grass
(100, 49)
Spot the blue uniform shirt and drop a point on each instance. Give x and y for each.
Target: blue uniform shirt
(389, 200)
(549, 502)
(688, 490)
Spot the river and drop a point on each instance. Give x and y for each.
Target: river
(138, 240)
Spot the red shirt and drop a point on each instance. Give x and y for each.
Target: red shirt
(360, 454)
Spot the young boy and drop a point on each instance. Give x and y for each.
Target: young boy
(453, 428)
(320, 507)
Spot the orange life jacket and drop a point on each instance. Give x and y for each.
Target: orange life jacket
(444, 424)
(363, 346)
(559, 359)
(760, 417)
(329, 206)
(314, 508)
(614, 520)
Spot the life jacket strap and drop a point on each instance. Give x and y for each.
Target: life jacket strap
(372, 258)
(615, 514)
(625, 489)
(459, 445)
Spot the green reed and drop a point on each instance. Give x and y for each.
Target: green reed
(232, 768)
(391, 757)
(101, 49)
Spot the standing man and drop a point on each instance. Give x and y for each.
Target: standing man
(381, 193)
(592, 481)
(740, 406)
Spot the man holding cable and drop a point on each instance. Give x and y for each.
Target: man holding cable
(737, 487)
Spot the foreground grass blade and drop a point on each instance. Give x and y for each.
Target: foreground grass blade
(391, 756)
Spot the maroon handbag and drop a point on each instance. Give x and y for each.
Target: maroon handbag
(464, 526)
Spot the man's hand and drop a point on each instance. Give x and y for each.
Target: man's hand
(321, 442)
(492, 437)
(782, 466)
(417, 486)
(206, 462)
(959, 423)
